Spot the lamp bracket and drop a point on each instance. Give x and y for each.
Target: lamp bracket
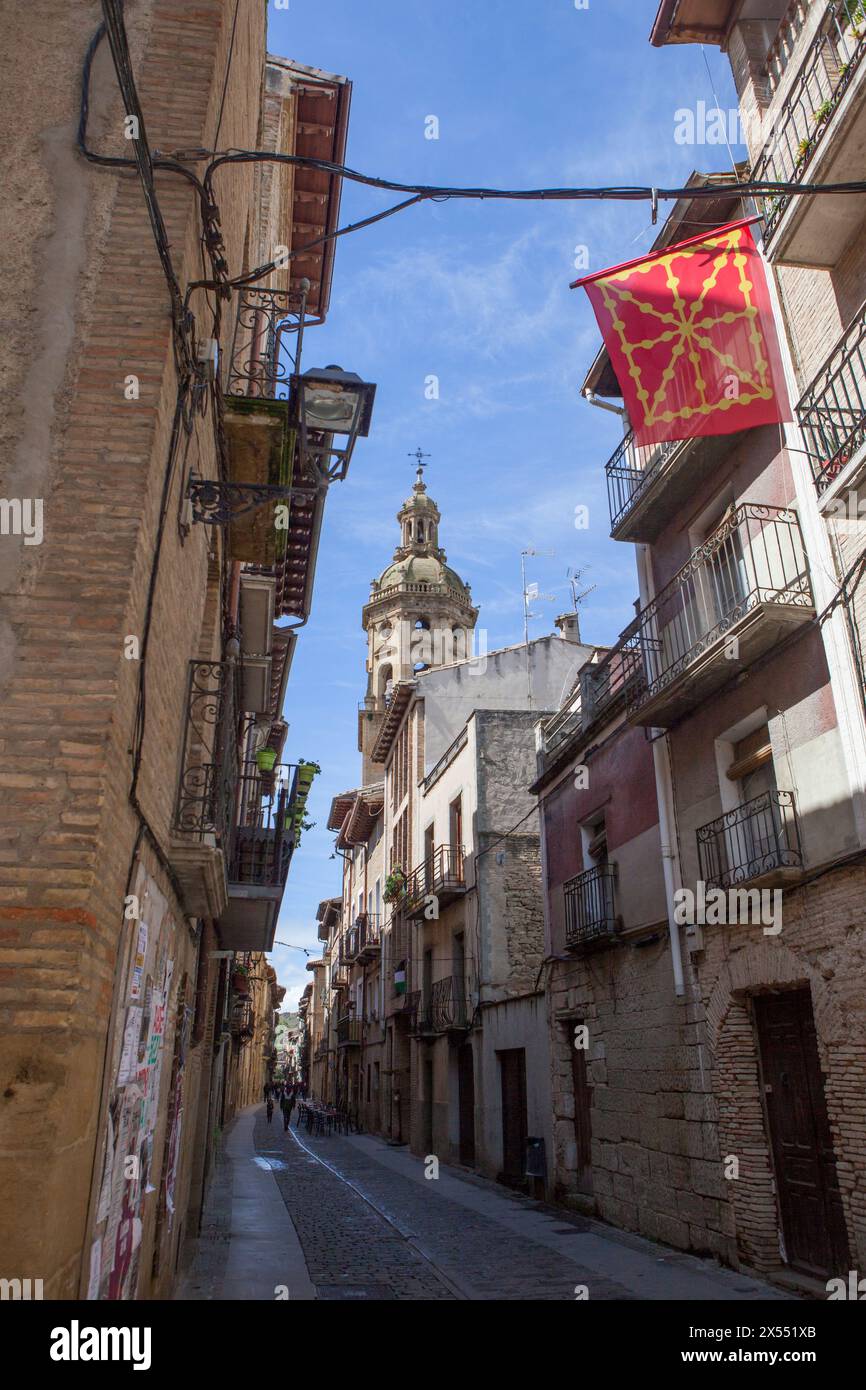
(218, 503)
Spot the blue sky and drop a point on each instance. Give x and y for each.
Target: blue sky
(527, 93)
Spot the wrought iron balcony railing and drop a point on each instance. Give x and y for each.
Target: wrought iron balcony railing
(448, 1004)
(263, 838)
(368, 926)
(758, 839)
(207, 786)
(619, 674)
(631, 469)
(266, 345)
(241, 1021)
(351, 940)
(832, 409)
(240, 809)
(349, 1032)
(755, 558)
(809, 105)
(411, 1006)
(561, 729)
(602, 686)
(590, 913)
(441, 876)
(340, 968)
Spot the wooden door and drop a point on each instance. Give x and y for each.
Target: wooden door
(810, 1206)
(466, 1103)
(512, 1065)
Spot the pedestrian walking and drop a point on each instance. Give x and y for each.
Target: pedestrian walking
(287, 1105)
(270, 1109)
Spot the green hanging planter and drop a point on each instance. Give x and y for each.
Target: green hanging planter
(266, 759)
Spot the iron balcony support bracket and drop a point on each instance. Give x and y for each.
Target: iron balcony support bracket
(217, 503)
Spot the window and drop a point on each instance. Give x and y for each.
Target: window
(429, 854)
(596, 842)
(455, 823)
(753, 772)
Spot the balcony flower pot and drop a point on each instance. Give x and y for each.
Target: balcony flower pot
(240, 982)
(395, 886)
(265, 759)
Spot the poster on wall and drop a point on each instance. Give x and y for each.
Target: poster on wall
(134, 1108)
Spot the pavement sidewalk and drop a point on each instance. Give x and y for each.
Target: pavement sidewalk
(248, 1248)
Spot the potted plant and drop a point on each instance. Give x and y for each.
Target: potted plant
(804, 149)
(306, 773)
(241, 979)
(395, 886)
(265, 759)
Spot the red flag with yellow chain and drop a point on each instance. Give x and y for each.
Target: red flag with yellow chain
(691, 337)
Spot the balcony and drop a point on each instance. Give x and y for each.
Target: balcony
(818, 135)
(258, 437)
(441, 876)
(369, 928)
(352, 948)
(410, 1009)
(349, 1032)
(261, 848)
(340, 964)
(203, 810)
(446, 1010)
(757, 843)
(832, 410)
(608, 685)
(646, 483)
(241, 1022)
(604, 688)
(737, 597)
(590, 914)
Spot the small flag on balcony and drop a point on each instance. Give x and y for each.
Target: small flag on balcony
(691, 337)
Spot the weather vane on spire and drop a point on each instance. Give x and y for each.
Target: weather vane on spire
(418, 455)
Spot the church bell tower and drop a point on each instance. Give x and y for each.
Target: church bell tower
(419, 615)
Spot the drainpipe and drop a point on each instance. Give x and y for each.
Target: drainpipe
(597, 401)
(665, 800)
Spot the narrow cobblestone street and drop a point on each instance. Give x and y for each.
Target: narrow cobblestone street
(366, 1224)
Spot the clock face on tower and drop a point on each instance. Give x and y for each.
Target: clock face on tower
(382, 646)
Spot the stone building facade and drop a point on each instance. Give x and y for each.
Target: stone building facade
(785, 1013)
(436, 1034)
(717, 751)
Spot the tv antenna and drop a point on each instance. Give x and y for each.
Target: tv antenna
(575, 578)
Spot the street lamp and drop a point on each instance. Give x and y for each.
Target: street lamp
(332, 402)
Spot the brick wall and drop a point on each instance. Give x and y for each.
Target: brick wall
(68, 694)
(823, 945)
